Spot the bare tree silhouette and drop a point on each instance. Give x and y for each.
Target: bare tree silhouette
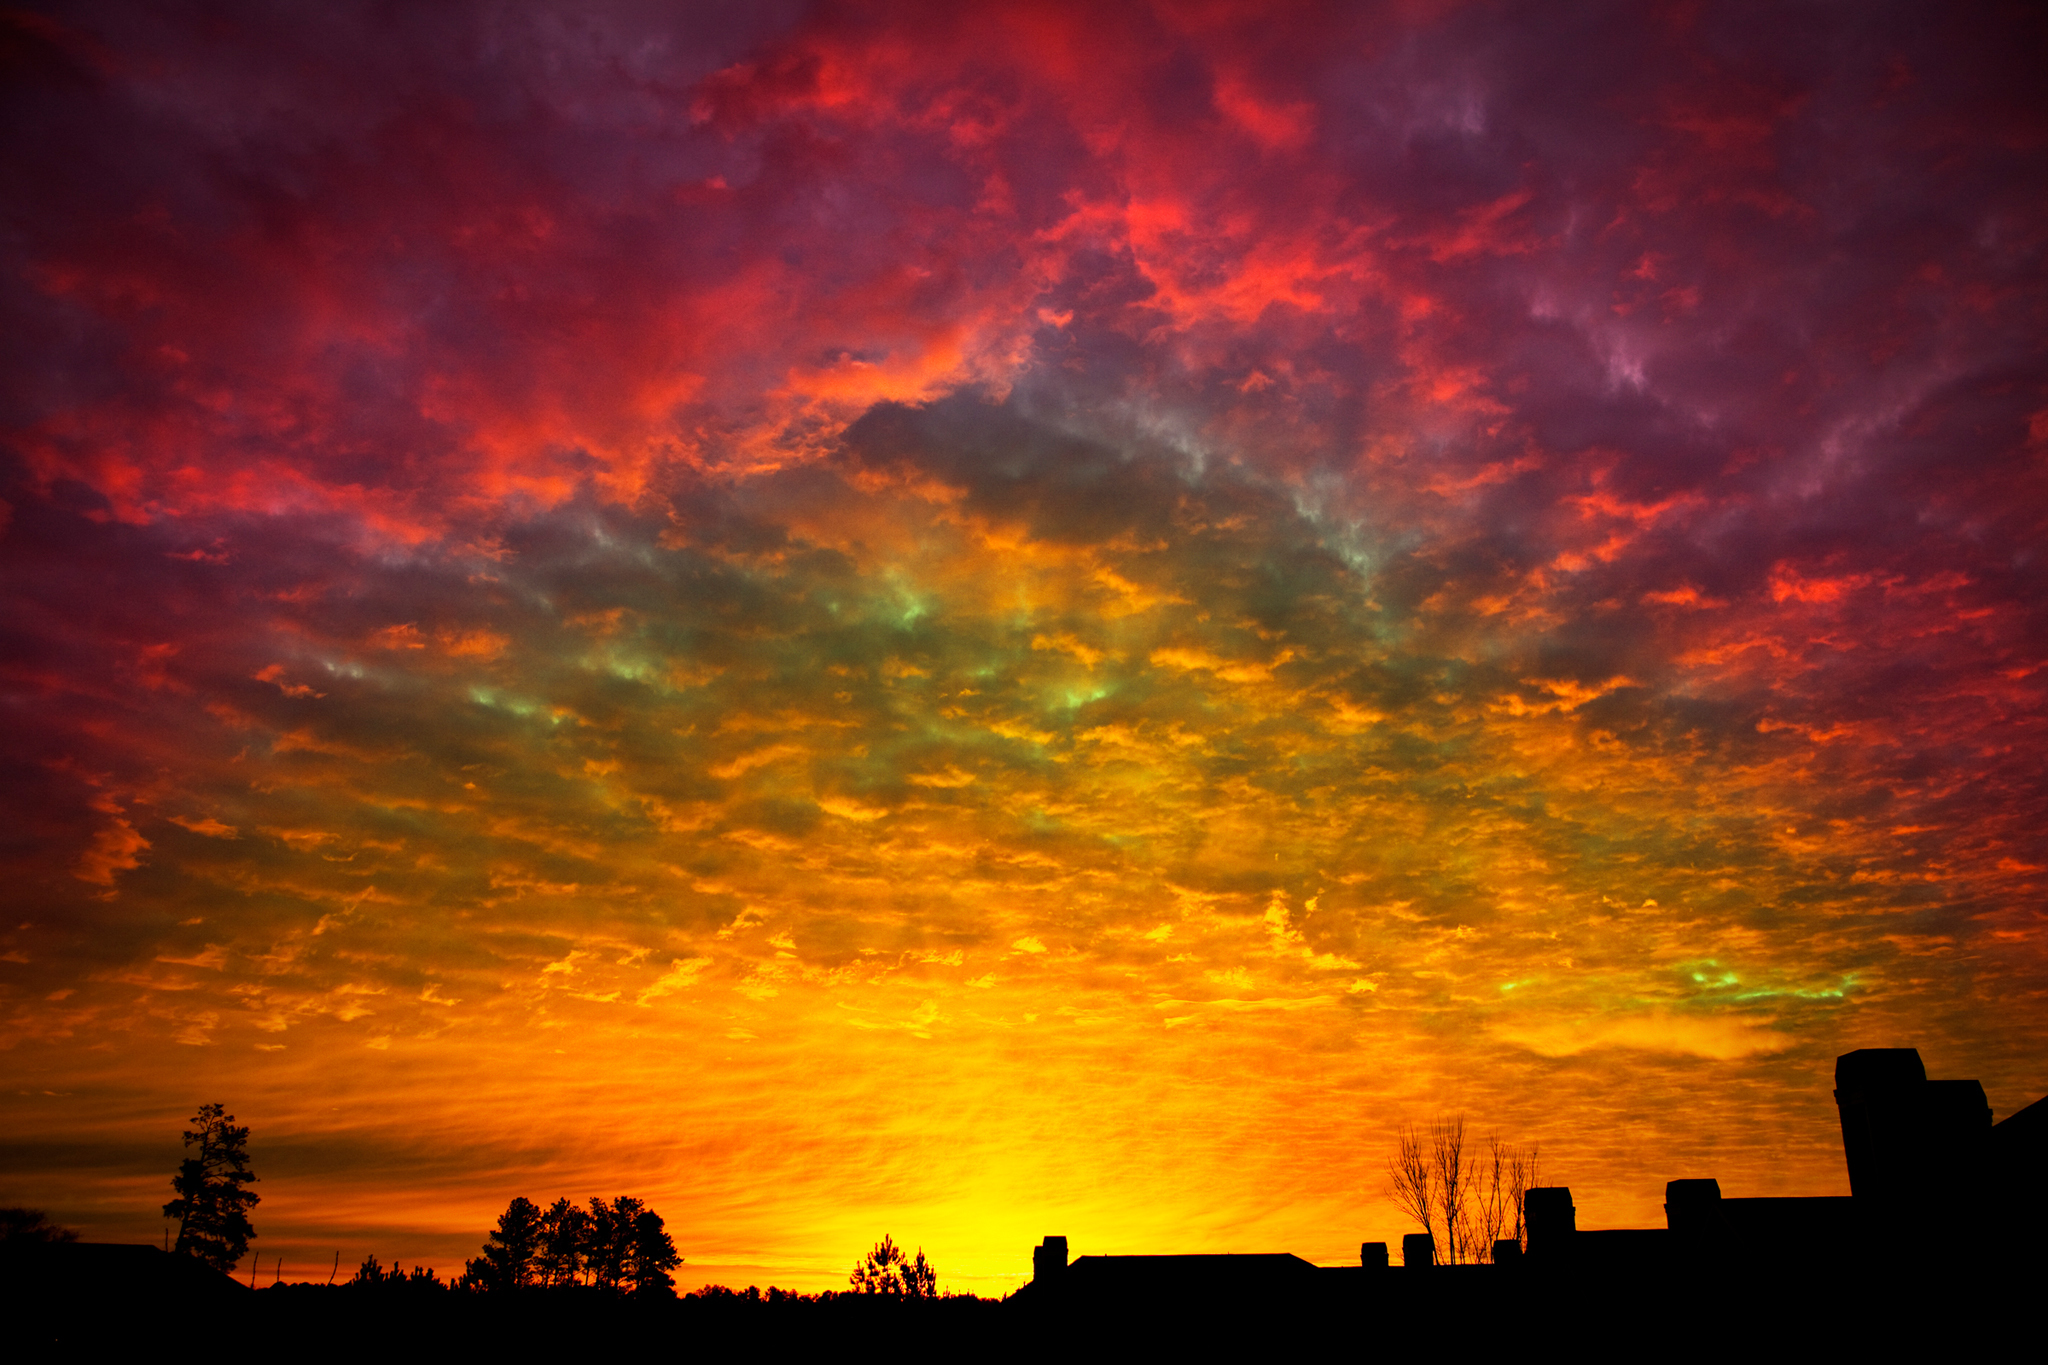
(1411, 1180)
(1453, 1183)
(1503, 1175)
(1489, 1198)
(1521, 1179)
(1473, 1198)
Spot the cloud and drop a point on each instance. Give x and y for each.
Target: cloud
(210, 827)
(680, 976)
(1716, 1039)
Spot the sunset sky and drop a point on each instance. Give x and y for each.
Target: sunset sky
(972, 621)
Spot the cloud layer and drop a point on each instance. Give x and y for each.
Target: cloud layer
(890, 618)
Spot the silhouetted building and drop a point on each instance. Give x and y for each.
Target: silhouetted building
(1092, 1280)
(1920, 1153)
(1924, 1159)
(1694, 1210)
(1913, 1145)
(1903, 1134)
(2018, 1149)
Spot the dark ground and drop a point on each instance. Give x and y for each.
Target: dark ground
(81, 1304)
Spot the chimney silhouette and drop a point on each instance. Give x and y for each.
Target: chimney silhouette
(1418, 1249)
(1548, 1213)
(1909, 1141)
(1049, 1259)
(1692, 1208)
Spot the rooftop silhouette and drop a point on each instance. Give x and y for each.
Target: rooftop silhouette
(1922, 1156)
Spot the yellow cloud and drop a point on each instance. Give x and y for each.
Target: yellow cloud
(680, 976)
(1719, 1039)
(757, 758)
(947, 777)
(850, 810)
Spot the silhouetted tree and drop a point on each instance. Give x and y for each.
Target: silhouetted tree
(507, 1262)
(1473, 1200)
(1453, 1184)
(564, 1229)
(1489, 1199)
(31, 1225)
(654, 1255)
(878, 1271)
(1411, 1180)
(608, 1240)
(213, 1203)
(1503, 1175)
(1521, 1179)
(887, 1271)
(920, 1280)
(620, 1244)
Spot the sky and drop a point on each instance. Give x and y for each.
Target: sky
(979, 621)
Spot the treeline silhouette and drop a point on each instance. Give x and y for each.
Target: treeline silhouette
(560, 1277)
(620, 1245)
(621, 1248)
(614, 1248)
(31, 1226)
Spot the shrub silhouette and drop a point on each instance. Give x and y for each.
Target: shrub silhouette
(371, 1275)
